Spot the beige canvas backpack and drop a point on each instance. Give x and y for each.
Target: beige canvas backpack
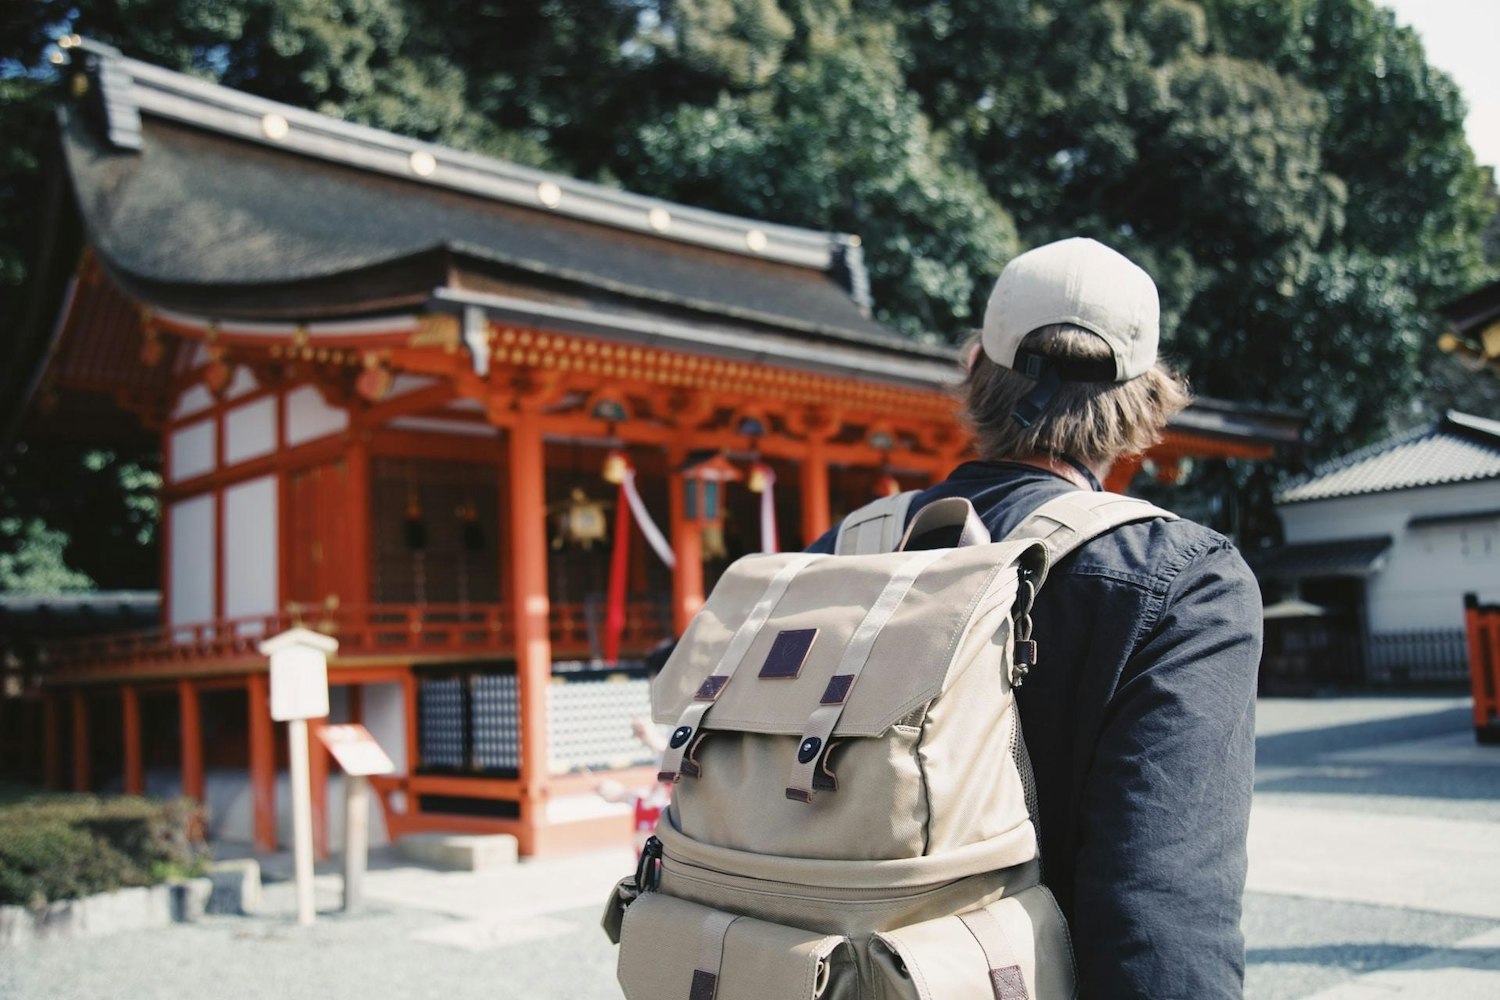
(853, 805)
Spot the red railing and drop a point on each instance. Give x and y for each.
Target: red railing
(416, 630)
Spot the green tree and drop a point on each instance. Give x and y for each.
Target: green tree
(833, 140)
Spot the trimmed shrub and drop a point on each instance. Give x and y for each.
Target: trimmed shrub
(67, 846)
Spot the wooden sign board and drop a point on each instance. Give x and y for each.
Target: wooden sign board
(355, 749)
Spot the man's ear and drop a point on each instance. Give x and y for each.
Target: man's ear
(973, 357)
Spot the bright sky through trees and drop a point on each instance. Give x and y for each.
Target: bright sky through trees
(1460, 38)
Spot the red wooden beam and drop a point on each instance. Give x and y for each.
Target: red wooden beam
(190, 723)
(130, 728)
(528, 560)
(815, 516)
(80, 741)
(52, 753)
(262, 761)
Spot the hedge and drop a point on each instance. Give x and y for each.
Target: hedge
(56, 847)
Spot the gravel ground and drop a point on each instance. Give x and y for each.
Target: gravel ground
(529, 935)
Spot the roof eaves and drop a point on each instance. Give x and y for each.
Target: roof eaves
(1489, 429)
(130, 87)
(1217, 418)
(660, 332)
(937, 352)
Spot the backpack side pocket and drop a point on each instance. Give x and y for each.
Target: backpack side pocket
(1016, 948)
(672, 949)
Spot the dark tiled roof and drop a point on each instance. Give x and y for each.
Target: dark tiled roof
(1345, 557)
(1459, 448)
(190, 200)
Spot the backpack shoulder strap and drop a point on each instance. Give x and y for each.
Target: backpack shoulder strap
(1065, 522)
(878, 526)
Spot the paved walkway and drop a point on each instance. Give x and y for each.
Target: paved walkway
(1375, 873)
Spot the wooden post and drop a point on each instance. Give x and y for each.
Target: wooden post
(687, 543)
(130, 727)
(80, 741)
(815, 516)
(190, 726)
(52, 752)
(528, 547)
(413, 745)
(317, 772)
(262, 762)
(356, 839)
(302, 832)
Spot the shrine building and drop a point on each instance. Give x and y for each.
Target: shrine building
(493, 429)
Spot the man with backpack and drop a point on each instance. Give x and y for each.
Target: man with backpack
(1139, 714)
(992, 741)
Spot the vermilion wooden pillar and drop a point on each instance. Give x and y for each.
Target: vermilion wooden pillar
(262, 761)
(80, 741)
(815, 518)
(687, 544)
(317, 774)
(130, 728)
(528, 561)
(409, 703)
(360, 538)
(52, 751)
(190, 725)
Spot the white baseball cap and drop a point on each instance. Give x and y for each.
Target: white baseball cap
(1082, 282)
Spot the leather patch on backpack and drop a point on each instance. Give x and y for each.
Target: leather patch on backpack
(788, 653)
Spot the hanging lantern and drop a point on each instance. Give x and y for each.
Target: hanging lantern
(703, 479)
(615, 467)
(413, 526)
(579, 520)
(469, 529)
(760, 477)
(375, 381)
(887, 485)
(216, 375)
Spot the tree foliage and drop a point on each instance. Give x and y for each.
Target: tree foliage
(1292, 172)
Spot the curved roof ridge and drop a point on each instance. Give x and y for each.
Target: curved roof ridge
(129, 87)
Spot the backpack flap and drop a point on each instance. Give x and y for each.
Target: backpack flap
(822, 647)
(778, 628)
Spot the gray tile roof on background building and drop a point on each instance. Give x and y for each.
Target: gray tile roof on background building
(1459, 448)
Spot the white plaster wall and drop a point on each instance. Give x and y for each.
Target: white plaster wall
(250, 548)
(1382, 513)
(309, 418)
(194, 400)
(192, 450)
(191, 535)
(1428, 568)
(385, 718)
(250, 431)
(242, 382)
(403, 384)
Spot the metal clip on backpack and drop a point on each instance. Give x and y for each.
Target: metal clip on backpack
(853, 806)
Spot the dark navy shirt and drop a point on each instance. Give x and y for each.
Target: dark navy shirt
(1139, 718)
